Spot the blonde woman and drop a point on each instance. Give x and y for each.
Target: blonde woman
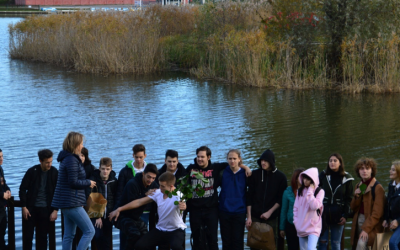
(69, 195)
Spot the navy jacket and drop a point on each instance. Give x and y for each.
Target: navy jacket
(29, 188)
(71, 183)
(232, 198)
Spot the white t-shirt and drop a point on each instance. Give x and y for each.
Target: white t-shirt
(139, 170)
(169, 214)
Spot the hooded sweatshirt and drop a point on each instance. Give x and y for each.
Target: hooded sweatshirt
(266, 187)
(305, 217)
(212, 173)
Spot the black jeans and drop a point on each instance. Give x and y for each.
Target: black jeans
(232, 230)
(133, 229)
(103, 235)
(156, 237)
(291, 237)
(204, 222)
(3, 227)
(40, 218)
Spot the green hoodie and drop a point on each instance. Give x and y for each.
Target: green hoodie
(287, 208)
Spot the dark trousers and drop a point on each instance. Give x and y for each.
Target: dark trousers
(122, 236)
(3, 227)
(103, 235)
(156, 237)
(133, 230)
(40, 218)
(291, 237)
(232, 230)
(204, 226)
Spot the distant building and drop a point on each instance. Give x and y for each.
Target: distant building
(74, 2)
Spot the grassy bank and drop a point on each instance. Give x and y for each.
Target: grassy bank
(227, 41)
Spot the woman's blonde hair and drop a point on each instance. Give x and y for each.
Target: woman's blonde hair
(396, 164)
(72, 141)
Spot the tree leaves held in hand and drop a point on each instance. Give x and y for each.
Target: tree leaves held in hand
(363, 187)
(186, 188)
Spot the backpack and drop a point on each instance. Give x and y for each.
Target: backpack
(373, 190)
(315, 195)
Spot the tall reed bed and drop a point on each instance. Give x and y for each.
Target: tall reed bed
(100, 42)
(223, 41)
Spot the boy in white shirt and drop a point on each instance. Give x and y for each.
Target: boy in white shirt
(170, 226)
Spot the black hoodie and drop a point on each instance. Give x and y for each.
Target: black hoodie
(210, 198)
(108, 190)
(266, 187)
(134, 190)
(180, 172)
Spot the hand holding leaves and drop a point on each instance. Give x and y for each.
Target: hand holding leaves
(186, 188)
(363, 187)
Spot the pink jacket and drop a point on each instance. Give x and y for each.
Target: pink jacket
(305, 217)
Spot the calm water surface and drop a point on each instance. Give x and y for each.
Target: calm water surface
(40, 104)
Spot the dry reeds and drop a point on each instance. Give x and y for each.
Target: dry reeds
(223, 41)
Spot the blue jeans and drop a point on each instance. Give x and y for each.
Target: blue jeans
(336, 237)
(308, 242)
(395, 240)
(74, 217)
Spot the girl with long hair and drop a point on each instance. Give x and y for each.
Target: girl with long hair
(286, 225)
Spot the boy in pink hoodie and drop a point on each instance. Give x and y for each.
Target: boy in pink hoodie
(307, 220)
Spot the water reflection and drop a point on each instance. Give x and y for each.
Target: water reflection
(40, 103)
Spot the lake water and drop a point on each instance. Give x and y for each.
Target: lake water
(40, 104)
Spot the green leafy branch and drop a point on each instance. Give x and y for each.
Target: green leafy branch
(363, 187)
(186, 188)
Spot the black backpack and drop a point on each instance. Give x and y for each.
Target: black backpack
(315, 195)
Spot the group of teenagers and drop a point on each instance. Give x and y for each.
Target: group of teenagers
(304, 212)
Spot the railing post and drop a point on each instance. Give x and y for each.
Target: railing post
(11, 223)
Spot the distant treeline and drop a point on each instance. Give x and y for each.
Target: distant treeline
(282, 44)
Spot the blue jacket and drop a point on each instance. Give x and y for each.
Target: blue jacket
(232, 198)
(287, 208)
(71, 183)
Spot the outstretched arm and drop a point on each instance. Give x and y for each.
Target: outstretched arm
(131, 205)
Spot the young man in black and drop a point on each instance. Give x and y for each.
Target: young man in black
(172, 165)
(36, 193)
(203, 211)
(106, 184)
(132, 167)
(129, 222)
(5, 194)
(266, 187)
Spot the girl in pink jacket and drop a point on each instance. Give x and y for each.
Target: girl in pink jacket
(306, 218)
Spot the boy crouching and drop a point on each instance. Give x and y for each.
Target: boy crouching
(170, 226)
